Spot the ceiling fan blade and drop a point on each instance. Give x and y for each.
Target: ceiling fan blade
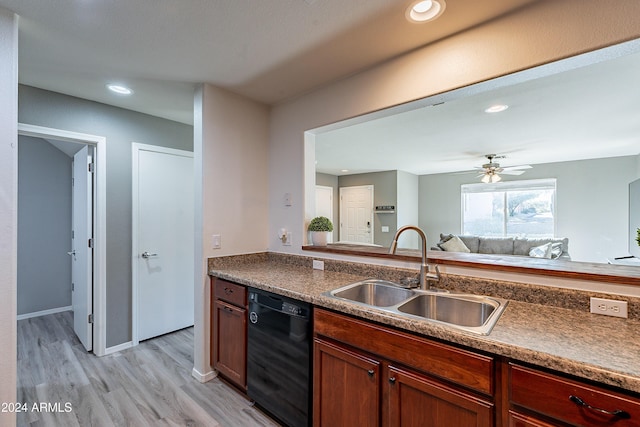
(512, 172)
(517, 167)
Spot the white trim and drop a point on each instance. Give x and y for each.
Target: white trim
(44, 312)
(203, 378)
(100, 248)
(135, 152)
(117, 348)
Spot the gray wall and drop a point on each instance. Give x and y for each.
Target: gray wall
(121, 128)
(592, 204)
(44, 226)
(385, 187)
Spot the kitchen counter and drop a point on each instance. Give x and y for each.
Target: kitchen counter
(594, 347)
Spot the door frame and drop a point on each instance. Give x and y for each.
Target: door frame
(100, 218)
(135, 151)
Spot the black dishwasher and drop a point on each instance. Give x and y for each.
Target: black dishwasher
(279, 356)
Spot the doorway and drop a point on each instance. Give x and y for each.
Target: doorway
(324, 205)
(356, 214)
(96, 303)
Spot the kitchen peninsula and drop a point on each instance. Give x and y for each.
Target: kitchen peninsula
(545, 333)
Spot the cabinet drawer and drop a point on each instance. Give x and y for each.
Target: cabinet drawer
(230, 292)
(551, 395)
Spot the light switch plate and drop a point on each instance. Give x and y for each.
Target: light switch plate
(216, 241)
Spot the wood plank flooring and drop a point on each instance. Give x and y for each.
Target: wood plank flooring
(148, 385)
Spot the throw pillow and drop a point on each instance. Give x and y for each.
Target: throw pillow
(542, 251)
(556, 250)
(454, 244)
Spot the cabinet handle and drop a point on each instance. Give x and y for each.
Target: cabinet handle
(371, 372)
(392, 380)
(615, 413)
(228, 309)
(228, 291)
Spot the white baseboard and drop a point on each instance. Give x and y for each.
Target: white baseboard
(203, 378)
(117, 348)
(44, 312)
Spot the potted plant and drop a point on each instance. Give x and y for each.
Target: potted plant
(319, 227)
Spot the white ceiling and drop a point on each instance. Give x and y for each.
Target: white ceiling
(269, 51)
(586, 113)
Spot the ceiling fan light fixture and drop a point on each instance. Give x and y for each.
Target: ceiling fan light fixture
(425, 10)
(491, 177)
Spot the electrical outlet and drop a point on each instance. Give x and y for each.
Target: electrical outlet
(318, 265)
(216, 241)
(287, 239)
(609, 307)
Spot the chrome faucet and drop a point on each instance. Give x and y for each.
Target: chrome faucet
(425, 276)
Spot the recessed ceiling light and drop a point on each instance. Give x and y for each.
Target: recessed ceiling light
(496, 108)
(344, 170)
(425, 10)
(119, 89)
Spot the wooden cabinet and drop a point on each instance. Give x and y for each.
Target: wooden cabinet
(370, 375)
(417, 400)
(346, 387)
(517, 419)
(229, 331)
(542, 399)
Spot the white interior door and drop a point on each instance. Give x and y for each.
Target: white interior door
(81, 247)
(163, 218)
(324, 205)
(356, 214)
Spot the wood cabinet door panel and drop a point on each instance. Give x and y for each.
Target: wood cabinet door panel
(346, 387)
(230, 336)
(550, 395)
(415, 400)
(517, 419)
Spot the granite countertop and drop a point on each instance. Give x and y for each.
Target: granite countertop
(594, 347)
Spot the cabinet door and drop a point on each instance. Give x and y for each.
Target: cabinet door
(346, 387)
(230, 336)
(517, 419)
(416, 400)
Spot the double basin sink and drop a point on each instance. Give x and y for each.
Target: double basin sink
(471, 313)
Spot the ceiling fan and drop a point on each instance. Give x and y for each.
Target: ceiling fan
(489, 171)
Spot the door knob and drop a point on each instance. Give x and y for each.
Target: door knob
(72, 253)
(147, 255)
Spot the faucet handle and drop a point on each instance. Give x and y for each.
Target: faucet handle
(410, 282)
(431, 276)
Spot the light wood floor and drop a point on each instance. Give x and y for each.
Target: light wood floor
(148, 385)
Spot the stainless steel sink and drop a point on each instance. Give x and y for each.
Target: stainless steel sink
(377, 293)
(468, 310)
(471, 313)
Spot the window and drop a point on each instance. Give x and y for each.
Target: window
(510, 209)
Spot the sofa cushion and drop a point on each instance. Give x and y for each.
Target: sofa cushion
(496, 245)
(454, 244)
(522, 246)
